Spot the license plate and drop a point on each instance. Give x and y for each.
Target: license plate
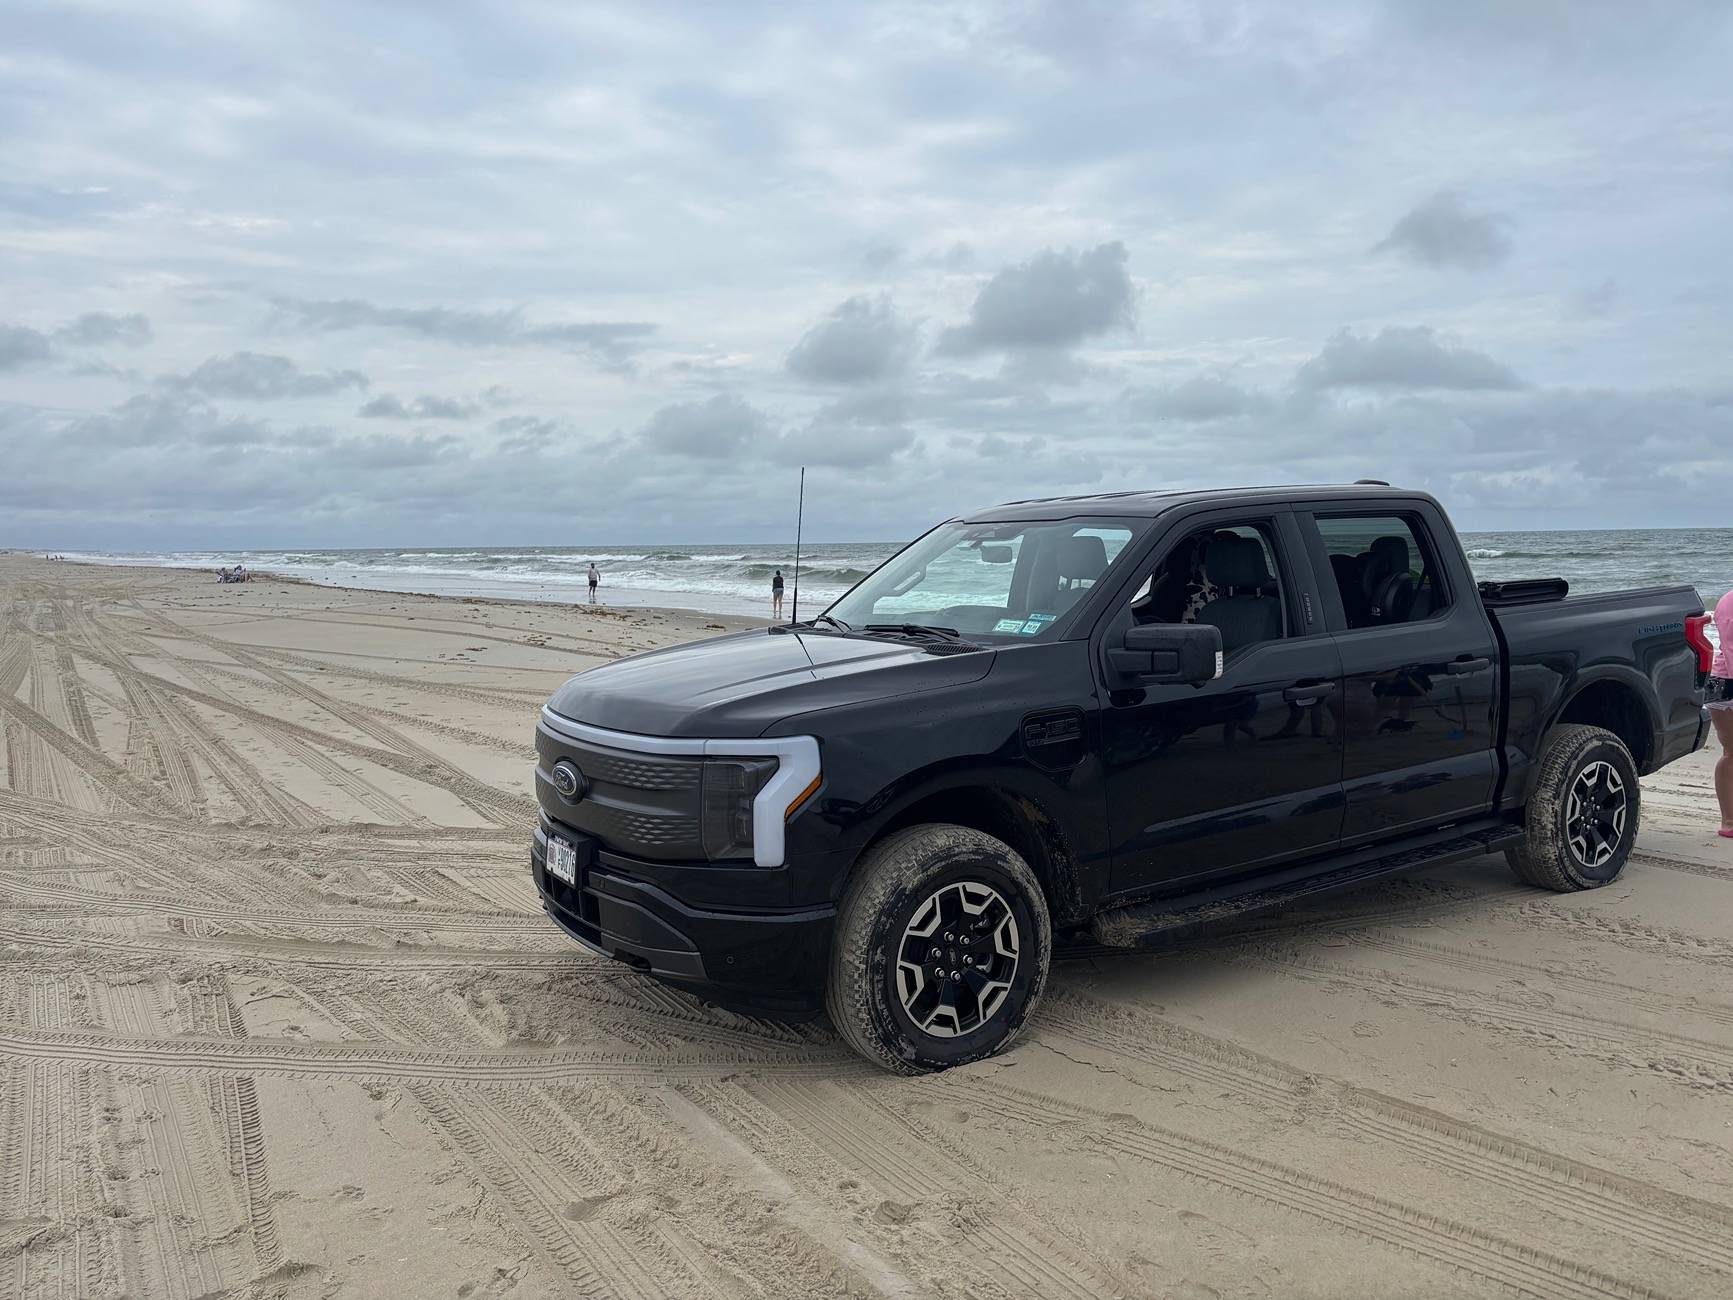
(562, 860)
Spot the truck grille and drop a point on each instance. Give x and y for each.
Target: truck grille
(641, 805)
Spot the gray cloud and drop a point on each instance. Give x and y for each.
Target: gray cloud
(818, 444)
(880, 258)
(155, 444)
(1443, 232)
(1054, 300)
(611, 339)
(184, 168)
(528, 433)
(1398, 357)
(101, 328)
(22, 346)
(259, 376)
(388, 406)
(1199, 399)
(723, 426)
(860, 341)
(866, 430)
(97, 368)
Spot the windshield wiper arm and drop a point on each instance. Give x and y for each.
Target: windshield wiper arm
(837, 623)
(916, 629)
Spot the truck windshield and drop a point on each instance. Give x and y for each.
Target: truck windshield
(1012, 580)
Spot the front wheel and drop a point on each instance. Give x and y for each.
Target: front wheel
(1582, 813)
(942, 945)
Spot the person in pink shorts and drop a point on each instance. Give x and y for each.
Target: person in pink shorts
(1721, 709)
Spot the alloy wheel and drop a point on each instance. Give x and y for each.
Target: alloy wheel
(1595, 814)
(957, 959)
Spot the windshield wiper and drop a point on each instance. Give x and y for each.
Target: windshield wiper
(837, 623)
(916, 630)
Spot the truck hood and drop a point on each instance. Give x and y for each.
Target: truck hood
(745, 683)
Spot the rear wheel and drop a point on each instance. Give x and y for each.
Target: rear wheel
(1582, 814)
(942, 946)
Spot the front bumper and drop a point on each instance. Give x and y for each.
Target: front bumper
(771, 962)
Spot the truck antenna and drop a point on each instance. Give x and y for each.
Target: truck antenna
(799, 516)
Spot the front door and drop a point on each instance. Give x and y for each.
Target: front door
(1244, 771)
(1420, 681)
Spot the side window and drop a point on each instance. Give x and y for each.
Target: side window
(1384, 568)
(1225, 575)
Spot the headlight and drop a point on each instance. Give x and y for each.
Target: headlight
(725, 804)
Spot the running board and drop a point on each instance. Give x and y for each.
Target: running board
(1139, 923)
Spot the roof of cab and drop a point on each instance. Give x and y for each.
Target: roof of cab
(1146, 504)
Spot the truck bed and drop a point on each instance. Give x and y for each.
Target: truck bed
(1629, 646)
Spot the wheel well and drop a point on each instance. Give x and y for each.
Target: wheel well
(1016, 820)
(1616, 707)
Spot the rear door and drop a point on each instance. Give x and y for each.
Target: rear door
(1244, 771)
(1419, 705)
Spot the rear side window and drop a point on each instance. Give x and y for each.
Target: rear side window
(1384, 568)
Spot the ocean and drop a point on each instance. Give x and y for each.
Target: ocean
(735, 579)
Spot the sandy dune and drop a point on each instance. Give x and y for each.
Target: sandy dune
(279, 1016)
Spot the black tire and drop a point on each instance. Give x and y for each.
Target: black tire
(1582, 845)
(907, 881)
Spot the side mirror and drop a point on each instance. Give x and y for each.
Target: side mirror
(1167, 653)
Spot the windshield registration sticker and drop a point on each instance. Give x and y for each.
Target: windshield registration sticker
(1008, 625)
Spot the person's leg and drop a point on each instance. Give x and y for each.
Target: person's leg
(1723, 720)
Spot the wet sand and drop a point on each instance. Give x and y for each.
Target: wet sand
(280, 1016)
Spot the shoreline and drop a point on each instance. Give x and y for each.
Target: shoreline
(724, 580)
(619, 599)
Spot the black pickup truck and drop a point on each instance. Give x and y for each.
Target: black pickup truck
(1098, 717)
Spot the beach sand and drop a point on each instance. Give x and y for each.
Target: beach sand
(280, 1016)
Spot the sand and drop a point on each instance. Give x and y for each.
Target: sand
(280, 1016)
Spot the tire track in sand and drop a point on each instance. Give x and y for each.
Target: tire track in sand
(542, 1182)
(386, 1061)
(1558, 974)
(1680, 1058)
(1457, 1246)
(399, 754)
(1656, 1218)
(77, 901)
(1024, 1252)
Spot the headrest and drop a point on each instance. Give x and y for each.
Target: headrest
(1389, 555)
(1084, 556)
(1236, 562)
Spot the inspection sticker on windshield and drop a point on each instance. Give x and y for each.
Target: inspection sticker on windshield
(1036, 623)
(1008, 625)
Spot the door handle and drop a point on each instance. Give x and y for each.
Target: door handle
(1309, 694)
(1457, 667)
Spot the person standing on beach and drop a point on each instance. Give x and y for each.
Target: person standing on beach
(595, 581)
(776, 595)
(1721, 710)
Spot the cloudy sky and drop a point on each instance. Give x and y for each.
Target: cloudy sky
(346, 273)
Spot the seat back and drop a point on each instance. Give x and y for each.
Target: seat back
(1241, 610)
(1385, 581)
(1082, 559)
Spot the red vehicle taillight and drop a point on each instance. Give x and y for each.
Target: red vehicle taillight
(1698, 640)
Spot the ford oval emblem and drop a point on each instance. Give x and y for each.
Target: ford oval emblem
(568, 780)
